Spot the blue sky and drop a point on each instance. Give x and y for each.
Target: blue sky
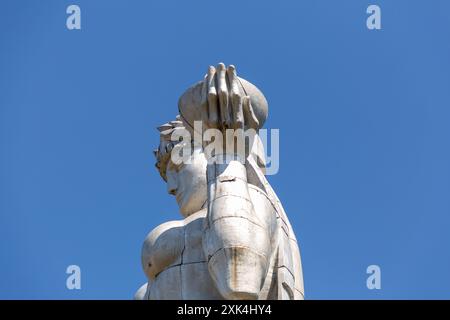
(364, 131)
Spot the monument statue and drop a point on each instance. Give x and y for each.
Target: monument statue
(235, 241)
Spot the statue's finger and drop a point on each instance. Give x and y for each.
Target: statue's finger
(204, 100)
(212, 98)
(204, 91)
(249, 114)
(236, 99)
(222, 92)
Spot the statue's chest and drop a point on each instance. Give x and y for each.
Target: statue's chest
(179, 245)
(183, 270)
(193, 249)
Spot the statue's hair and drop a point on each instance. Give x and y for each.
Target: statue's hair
(166, 144)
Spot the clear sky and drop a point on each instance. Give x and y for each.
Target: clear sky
(364, 131)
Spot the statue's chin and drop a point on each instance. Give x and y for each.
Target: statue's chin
(190, 204)
(187, 211)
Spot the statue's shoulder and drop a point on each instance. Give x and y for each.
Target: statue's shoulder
(173, 228)
(164, 245)
(163, 228)
(197, 216)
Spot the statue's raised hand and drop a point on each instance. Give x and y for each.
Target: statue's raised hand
(224, 101)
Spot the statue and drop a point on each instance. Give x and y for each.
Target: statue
(235, 241)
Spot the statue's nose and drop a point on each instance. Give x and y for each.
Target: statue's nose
(171, 187)
(171, 182)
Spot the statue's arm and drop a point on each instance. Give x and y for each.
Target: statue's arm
(236, 239)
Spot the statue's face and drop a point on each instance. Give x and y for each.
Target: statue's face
(187, 182)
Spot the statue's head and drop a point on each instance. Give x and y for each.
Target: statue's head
(185, 180)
